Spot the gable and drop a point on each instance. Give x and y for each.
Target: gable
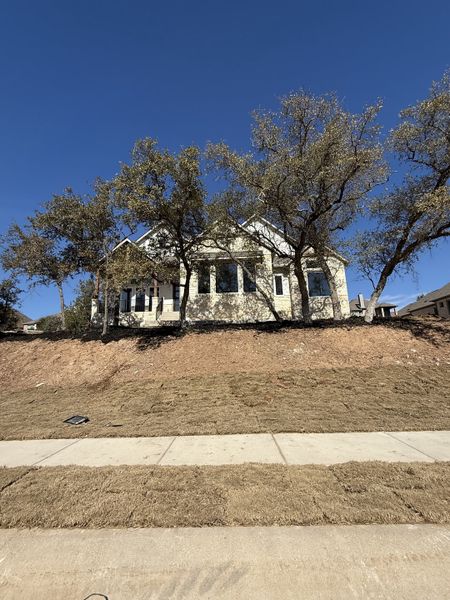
(274, 237)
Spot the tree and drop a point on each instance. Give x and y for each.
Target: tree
(126, 264)
(9, 296)
(414, 215)
(90, 227)
(223, 231)
(51, 323)
(165, 190)
(78, 314)
(37, 254)
(312, 163)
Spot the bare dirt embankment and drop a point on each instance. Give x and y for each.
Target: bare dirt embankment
(324, 379)
(29, 361)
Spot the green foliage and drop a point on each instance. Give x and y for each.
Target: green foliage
(9, 297)
(40, 253)
(128, 264)
(78, 314)
(159, 188)
(415, 214)
(34, 254)
(310, 171)
(311, 167)
(51, 323)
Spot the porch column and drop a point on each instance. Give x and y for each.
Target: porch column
(94, 307)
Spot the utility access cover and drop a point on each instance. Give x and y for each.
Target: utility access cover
(76, 420)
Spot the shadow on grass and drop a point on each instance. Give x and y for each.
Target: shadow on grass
(430, 329)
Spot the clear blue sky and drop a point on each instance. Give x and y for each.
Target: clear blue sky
(80, 81)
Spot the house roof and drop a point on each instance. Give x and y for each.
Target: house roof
(442, 292)
(426, 300)
(279, 232)
(355, 306)
(243, 225)
(21, 319)
(147, 234)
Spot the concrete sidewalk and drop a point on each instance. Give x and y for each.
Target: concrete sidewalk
(401, 562)
(284, 448)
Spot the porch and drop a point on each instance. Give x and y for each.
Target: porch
(143, 306)
(149, 306)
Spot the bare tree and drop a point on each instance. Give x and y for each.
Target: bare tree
(223, 232)
(34, 252)
(310, 159)
(415, 214)
(164, 190)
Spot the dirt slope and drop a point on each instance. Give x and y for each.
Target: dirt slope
(30, 361)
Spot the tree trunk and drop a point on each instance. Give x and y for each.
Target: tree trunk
(97, 284)
(266, 296)
(301, 279)
(385, 274)
(105, 328)
(370, 310)
(335, 300)
(62, 306)
(185, 297)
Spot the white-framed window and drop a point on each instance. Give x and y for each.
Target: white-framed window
(226, 277)
(278, 284)
(249, 280)
(139, 303)
(318, 284)
(204, 278)
(125, 300)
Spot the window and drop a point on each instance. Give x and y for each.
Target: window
(204, 281)
(279, 285)
(154, 291)
(318, 284)
(140, 301)
(441, 304)
(226, 277)
(176, 296)
(249, 281)
(126, 300)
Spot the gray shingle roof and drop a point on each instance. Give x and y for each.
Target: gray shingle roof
(354, 305)
(426, 300)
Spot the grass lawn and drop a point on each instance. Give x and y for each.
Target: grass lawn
(315, 400)
(229, 495)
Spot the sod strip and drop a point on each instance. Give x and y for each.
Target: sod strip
(349, 493)
(392, 398)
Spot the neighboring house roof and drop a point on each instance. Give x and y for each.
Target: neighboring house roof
(52, 316)
(355, 306)
(442, 292)
(426, 301)
(21, 319)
